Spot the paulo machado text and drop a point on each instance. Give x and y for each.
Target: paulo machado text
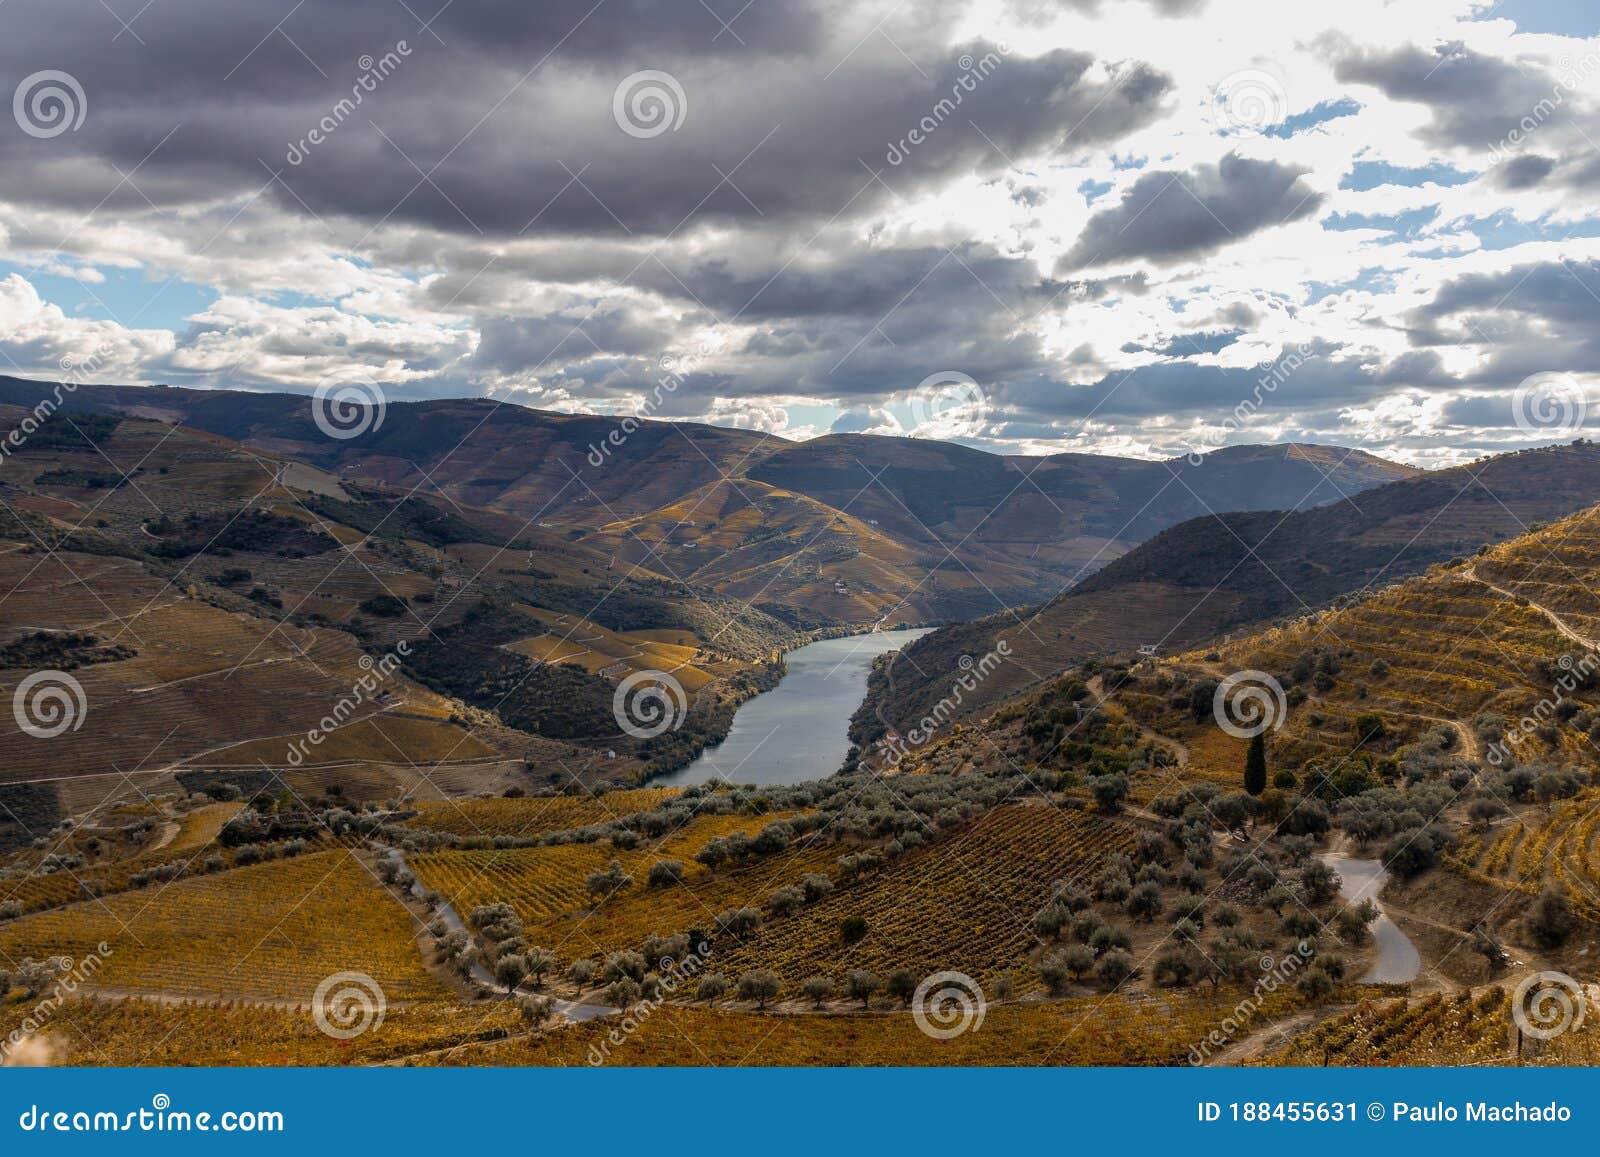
(1480, 1112)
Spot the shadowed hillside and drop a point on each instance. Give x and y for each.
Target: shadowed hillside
(1225, 571)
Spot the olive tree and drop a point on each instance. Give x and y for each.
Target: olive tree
(816, 989)
(712, 986)
(859, 984)
(760, 986)
(902, 983)
(582, 973)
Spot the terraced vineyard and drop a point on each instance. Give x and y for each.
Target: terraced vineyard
(547, 885)
(962, 903)
(270, 930)
(196, 831)
(1557, 568)
(1446, 648)
(1554, 847)
(625, 920)
(1462, 1029)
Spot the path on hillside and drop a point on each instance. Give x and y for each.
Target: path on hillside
(1278, 1034)
(1471, 574)
(1470, 744)
(1180, 750)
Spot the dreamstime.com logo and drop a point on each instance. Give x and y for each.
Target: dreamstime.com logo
(948, 403)
(1248, 101)
(648, 703)
(348, 1004)
(1549, 404)
(1547, 1004)
(973, 672)
(24, 1047)
(49, 703)
(649, 103)
(364, 690)
(675, 974)
(1276, 972)
(947, 1004)
(344, 410)
(1248, 703)
(49, 103)
(1574, 673)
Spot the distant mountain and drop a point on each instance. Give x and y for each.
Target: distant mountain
(843, 529)
(1201, 578)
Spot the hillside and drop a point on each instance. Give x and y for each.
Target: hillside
(915, 529)
(190, 610)
(1227, 571)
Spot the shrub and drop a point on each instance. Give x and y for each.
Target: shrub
(1321, 883)
(1144, 902)
(664, 873)
(902, 983)
(626, 965)
(536, 1010)
(1551, 919)
(1114, 967)
(786, 900)
(853, 929)
(1174, 969)
(622, 992)
(738, 921)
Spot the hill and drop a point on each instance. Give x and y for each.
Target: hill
(1227, 571)
(843, 529)
(176, 608)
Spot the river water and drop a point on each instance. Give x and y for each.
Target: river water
(799, 730)
(1398, 960)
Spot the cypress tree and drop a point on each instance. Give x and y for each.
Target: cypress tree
(1255, 766)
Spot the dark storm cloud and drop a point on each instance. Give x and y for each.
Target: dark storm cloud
(1554, 292)
(1476, 100)
(507, 126)
(864, 283)
(1527, 319)
(1169, 216)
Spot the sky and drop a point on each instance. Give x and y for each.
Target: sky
(1137, 227)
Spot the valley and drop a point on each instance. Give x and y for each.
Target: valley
(749, 752)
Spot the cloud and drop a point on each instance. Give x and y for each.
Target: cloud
(1168, 216)
(857, 197)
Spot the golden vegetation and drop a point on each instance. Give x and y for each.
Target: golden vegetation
(270, 930)
(1116, 1030)
(547, 885)
(534, 817)
(110, 1031)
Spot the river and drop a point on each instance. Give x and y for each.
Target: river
(800, 729)
(1398, 960)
